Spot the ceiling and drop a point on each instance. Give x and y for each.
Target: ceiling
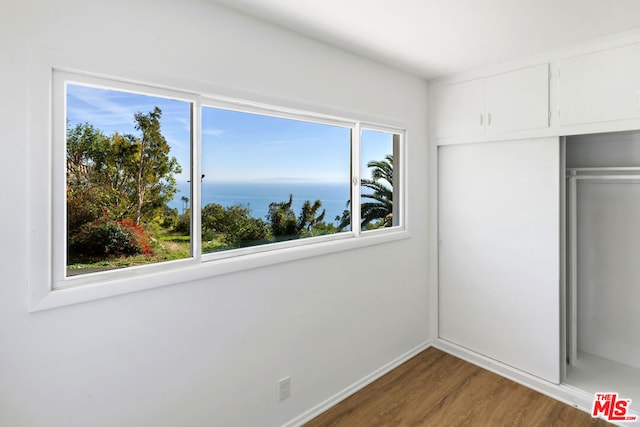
(432, 38)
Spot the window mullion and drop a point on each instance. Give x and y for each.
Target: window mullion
(355, 179)
(196, 179)
(398, 187)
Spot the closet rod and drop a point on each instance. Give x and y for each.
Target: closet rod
(605, 168)
(605, 177)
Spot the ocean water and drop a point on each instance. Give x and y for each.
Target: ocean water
(258, 196)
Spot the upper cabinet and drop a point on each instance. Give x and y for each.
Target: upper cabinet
(516, 100)
(460, 109)
(600, 86)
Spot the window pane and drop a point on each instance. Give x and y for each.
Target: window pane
(125, 153)
(269, 179)
(378, 170)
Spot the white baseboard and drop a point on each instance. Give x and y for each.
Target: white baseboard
(572, 396)
(358, 385)
(575, 397)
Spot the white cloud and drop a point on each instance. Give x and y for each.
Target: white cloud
(99, 107)
(184, 121)
(212, 132)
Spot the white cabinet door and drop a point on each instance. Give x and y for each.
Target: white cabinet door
(499, 277)
(600, 86)
(518, 100)
(460, 109)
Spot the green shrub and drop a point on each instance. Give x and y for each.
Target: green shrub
(183, 224)
(83, 206)
(107, 238)
(251, 229)
(234, 222)
(170, 217)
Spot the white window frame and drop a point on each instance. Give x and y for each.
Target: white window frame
(283, 113)
(59, 210)
(399, 190)
(49, 287)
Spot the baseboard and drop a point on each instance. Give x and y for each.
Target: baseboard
(572, 396)
(358, 385)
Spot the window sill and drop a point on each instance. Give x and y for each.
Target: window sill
(187, 271)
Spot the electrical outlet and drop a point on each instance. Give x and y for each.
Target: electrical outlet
(284, 386)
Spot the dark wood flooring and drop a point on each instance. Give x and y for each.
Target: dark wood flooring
(437, 389)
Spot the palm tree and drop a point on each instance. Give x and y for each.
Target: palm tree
(283, 219)
(309, 215)
(185, 204)
(377, 204)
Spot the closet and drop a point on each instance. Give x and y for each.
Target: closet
(603, 263)
(536, 193)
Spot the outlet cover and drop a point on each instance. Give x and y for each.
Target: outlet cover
(284, 388)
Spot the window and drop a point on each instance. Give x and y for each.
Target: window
(125, 154)
(149, 180)
(380, 176)
(269, 179)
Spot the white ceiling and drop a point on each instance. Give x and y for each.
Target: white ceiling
(431, 38)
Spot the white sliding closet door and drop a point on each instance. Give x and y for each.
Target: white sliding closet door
(499, 258)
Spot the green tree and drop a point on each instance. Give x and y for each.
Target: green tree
(170, 217)
(309, 217)
(234, 223)
(284, 223)
(134, 174)
(153, 168)
(282, 218)
(376, 209)
(185, 203)
(85, 194)
(85, 143)
(183, 225)
(118, 179)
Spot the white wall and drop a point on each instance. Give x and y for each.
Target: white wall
(614, 149)
(209, 352)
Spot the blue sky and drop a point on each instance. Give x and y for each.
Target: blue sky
(240, 146)
(112, 111)
(236, 146)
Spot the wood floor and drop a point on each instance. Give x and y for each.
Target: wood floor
(437, 389)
